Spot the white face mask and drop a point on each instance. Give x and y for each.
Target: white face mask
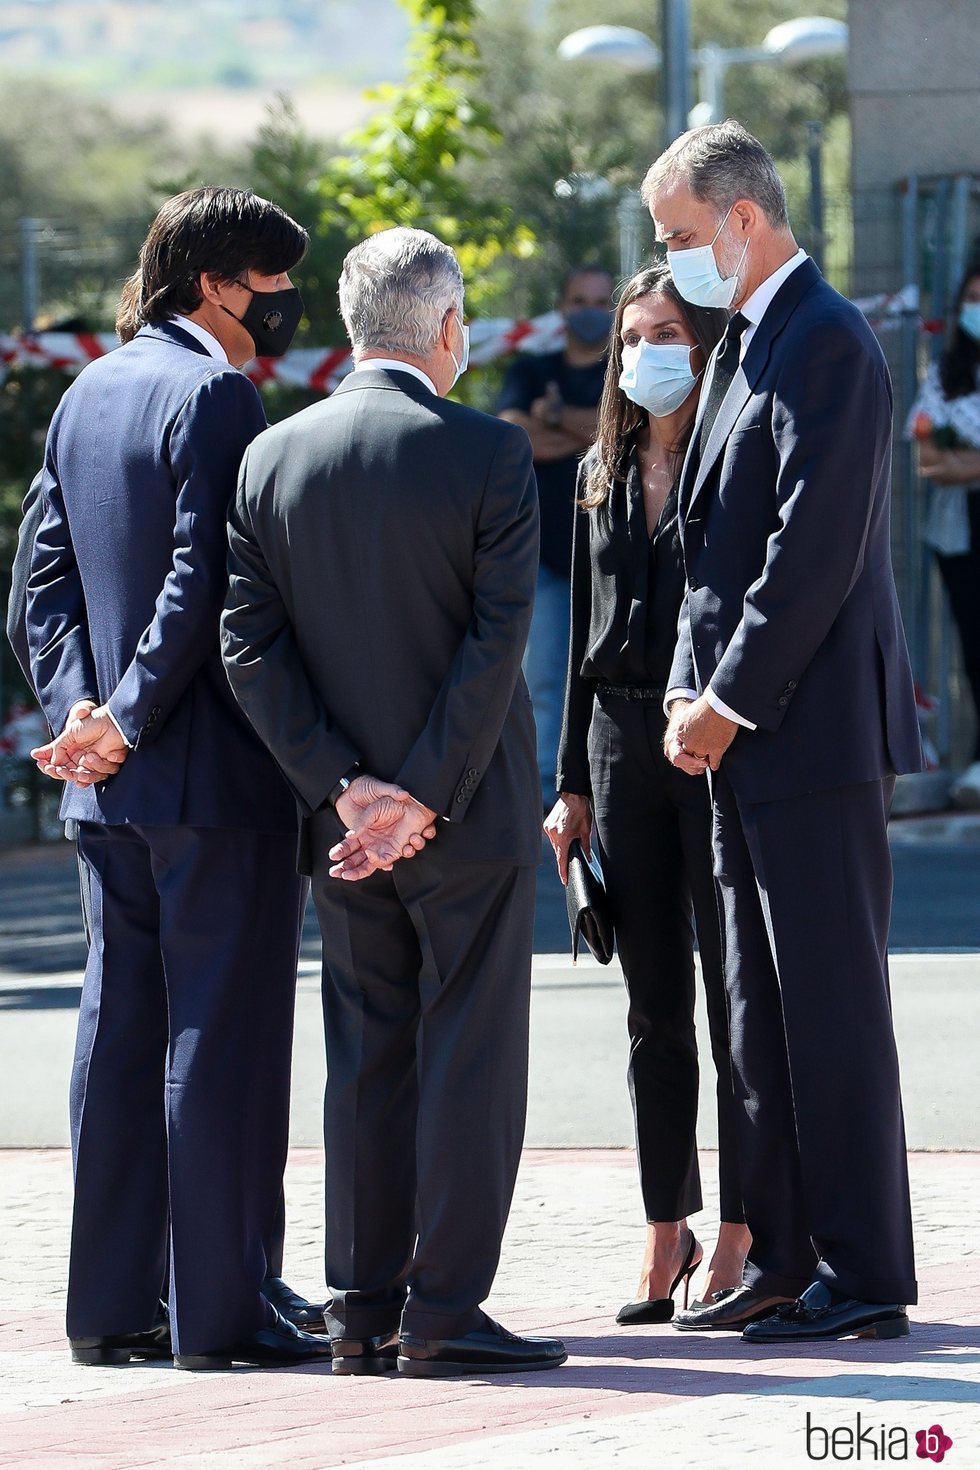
(464, 361)
(697, 277)
(657, 376)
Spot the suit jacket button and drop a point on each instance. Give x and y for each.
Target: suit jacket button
(791, 684)
(782, 700)
(692, 585)
(461, 797)
(472, 773)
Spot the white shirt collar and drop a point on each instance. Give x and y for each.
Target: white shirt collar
(761, 299)
(395, 365)
(206, 338)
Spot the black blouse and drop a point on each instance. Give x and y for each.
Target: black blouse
(627, 589)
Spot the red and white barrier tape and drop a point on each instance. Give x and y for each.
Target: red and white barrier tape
(322, 368)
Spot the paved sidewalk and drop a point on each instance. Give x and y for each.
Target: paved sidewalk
(644, 1397)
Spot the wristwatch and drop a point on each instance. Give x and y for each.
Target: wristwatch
(337, 791)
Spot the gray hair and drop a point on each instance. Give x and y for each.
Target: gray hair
(395, 290)
(721, 163)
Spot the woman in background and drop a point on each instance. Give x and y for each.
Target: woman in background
(652, 823)
(945, 419)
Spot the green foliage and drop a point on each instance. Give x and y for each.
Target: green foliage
(587, 122)
(405, 166)
(287, 165)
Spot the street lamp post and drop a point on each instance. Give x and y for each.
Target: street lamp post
(675, 27)
(792, 43)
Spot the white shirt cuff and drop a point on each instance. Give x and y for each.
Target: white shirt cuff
(122, 737)
(673, 694)
(721, 708)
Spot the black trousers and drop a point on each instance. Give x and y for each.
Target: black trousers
(806, 894)
(180, 1088)
(961, 577)
(653, 829)
(426, 994)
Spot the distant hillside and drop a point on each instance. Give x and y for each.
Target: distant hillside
(210, 65)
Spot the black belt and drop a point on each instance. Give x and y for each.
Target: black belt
(642, 693)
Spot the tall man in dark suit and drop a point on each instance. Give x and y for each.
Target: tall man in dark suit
(383, 554)
(180, 1087)
(791, 682)
(303, 1313)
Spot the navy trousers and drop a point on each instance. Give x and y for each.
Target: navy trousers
(426, 995)
(180, 1087)
(805, 889)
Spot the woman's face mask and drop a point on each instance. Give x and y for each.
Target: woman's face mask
(657, 376)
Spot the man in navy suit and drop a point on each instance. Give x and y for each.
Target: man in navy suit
(179, 1095)
(279, 1292)
(791, 683)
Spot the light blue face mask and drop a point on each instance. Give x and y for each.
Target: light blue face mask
(657, 376)
(464, 361)
(697, 277)
(969, 319)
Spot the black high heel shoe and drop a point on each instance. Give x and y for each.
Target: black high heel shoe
(661, 1308)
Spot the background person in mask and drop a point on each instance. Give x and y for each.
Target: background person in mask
(554, 396)
(652, 825)
(945, 421)
(180, 1088)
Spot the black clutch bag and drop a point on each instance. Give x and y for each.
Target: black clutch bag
(588, 907)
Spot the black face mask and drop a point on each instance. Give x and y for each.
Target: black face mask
(271, 319)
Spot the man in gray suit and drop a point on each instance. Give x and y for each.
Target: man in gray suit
(384, 550)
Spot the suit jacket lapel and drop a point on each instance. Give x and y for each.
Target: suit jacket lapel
(790, 293)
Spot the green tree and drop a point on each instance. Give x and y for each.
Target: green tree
(589, 123)
(287, 164)
(405, 166)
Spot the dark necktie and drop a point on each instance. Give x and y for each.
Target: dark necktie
(726, 364)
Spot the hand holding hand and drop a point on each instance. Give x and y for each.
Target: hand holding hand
(384, 823)
(697, 736)
(570, 817)
(89, 748)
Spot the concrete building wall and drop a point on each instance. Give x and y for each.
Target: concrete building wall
(914, 80)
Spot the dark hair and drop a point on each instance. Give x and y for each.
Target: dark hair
(619, 417)
(582, 270)
(223, 232)
(961, 355)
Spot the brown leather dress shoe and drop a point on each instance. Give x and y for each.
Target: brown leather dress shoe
(729, 1311)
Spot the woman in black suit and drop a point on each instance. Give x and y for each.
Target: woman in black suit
(652, 823)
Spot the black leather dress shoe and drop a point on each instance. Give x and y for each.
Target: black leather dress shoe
(280, 1345)
(492, 1349)
(365, 1354)
(821, 1314)
(100, 1351)
(729, 1310)
(307, 1316)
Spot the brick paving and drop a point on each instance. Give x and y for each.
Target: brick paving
(643, 1397)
